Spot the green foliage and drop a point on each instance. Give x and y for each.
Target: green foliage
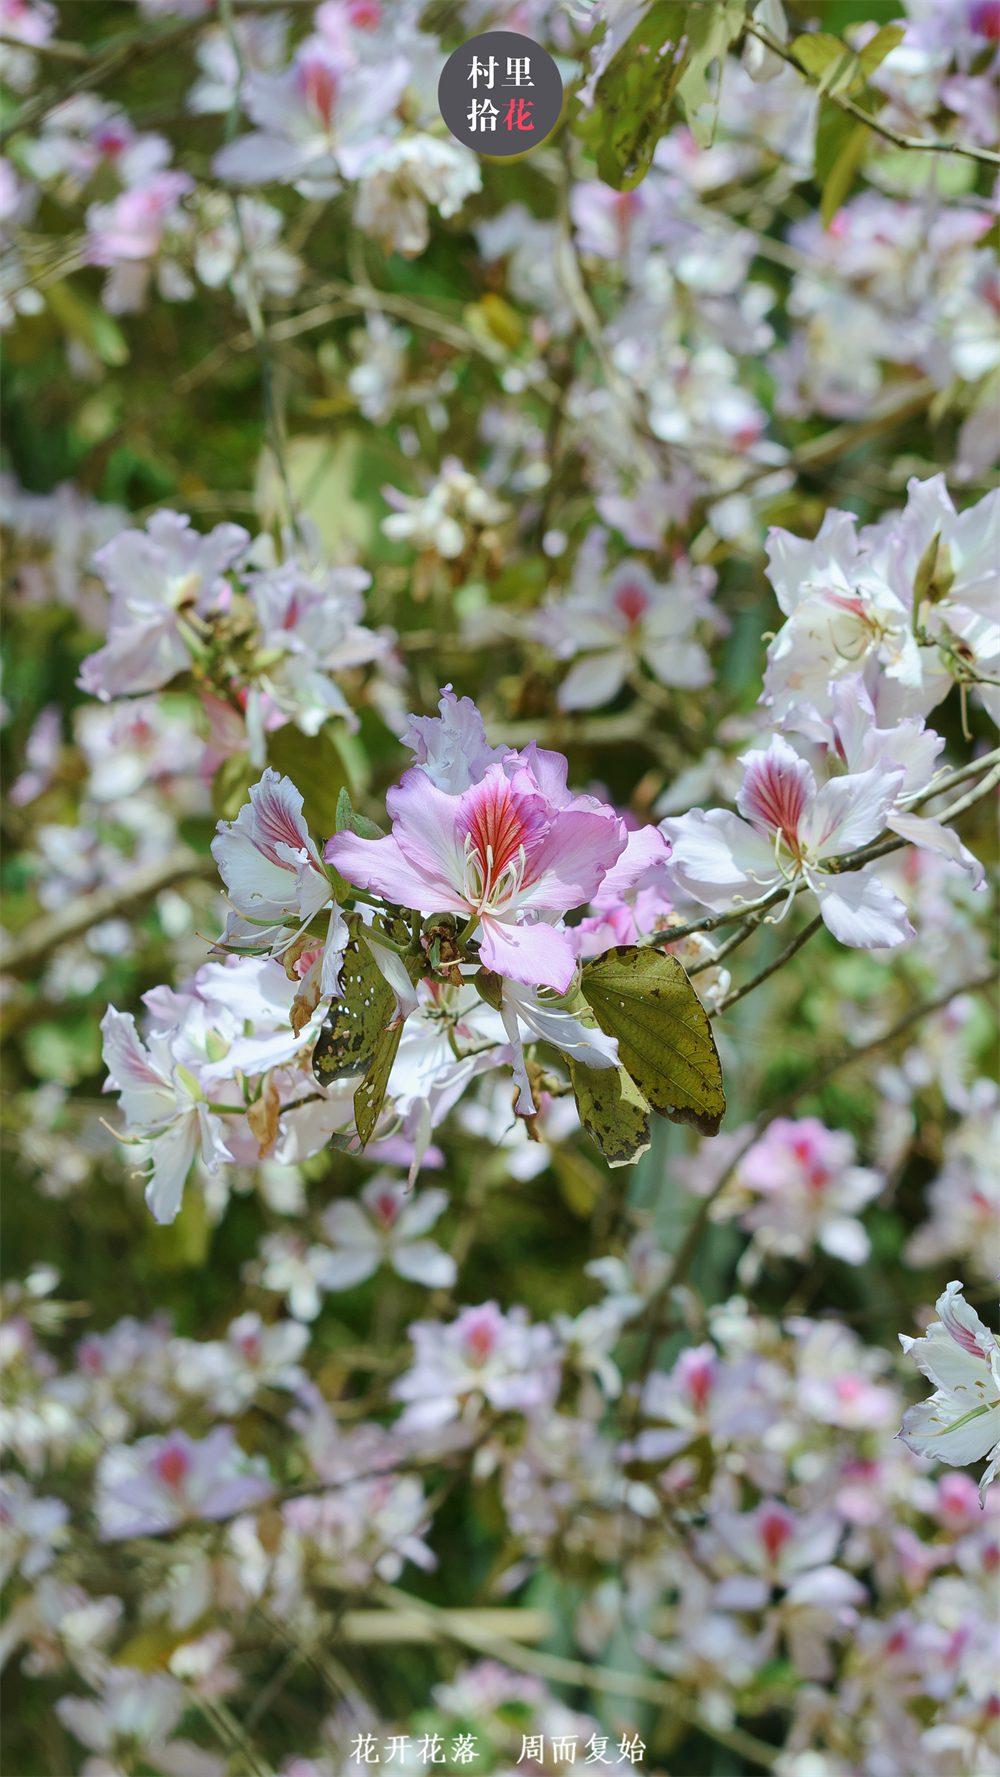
(666, 58)
(665, 1041)
(315, 764)
(351, 1029)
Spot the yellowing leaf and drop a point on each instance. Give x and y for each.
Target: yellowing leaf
(612, 1111)
(665, 1041)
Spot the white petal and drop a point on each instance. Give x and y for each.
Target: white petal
(850, 811)
(424, 1262)
(860, 911)
(846, 1239)
(921, 830)
(594, 680)
(342, 1269)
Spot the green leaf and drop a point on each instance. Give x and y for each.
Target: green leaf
(634, 95)
(349, 821)
(612, 1111)
(314, 764)
(665, 1041)
(834, 129)
(817, 50)
(370, 1095)
(709, 30)
(667, 56)
(356, 1019)
(831, 63)
(489, 988)
(879, 46)
(840, 178)
(231, 786)
(89, 323)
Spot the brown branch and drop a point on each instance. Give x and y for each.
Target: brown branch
(899, 403)
(102, 66)
(22, 950)
(772, 968)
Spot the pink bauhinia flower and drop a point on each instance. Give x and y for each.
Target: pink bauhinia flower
(510, 848)
(148, 1487)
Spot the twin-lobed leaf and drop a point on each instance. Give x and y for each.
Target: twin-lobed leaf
(612, 1111)
(666, 58)
(356, 1018)
(665, 1041)
(370, 1095)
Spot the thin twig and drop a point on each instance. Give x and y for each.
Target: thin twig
(771, 968)
(101, 67)
(733, 943)
(985, 156)
(579, 1673)
(54, 51)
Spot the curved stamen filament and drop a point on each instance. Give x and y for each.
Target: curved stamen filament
(481, 890)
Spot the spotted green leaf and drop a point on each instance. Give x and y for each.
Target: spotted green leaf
(665, 1041)
(355, 1021)
(612, 1111)
(370, 1095)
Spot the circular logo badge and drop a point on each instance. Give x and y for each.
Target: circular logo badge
(500, 93)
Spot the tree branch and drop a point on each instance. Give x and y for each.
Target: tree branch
(772, 968)
(22, 950)
(985, 156)
(579, 1673)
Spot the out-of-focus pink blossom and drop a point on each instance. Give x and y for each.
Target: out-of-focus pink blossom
(484, 1354)
(148, 1487)
(136, 1714)
(386, 1230)
(806, 1185)
(316, 121)
(618, 620)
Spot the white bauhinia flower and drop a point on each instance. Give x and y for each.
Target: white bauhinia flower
(522, 1008)
(277, 885)
(960, 1423)
(617, 620)
(168, 1121)
(136, 1714)
(387, 1231)
(789, 830)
